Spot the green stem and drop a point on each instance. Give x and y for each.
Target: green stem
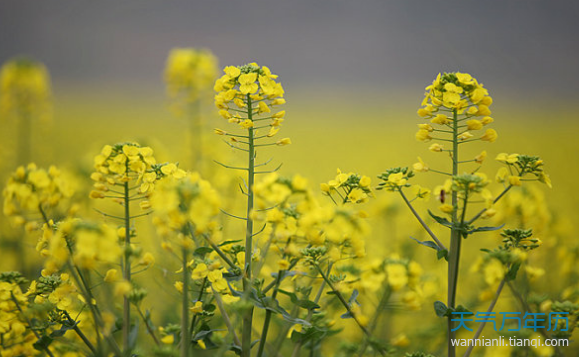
(477, 216)
(489, 310)
(346, 305)
(381, 306)
(147, 325)
(80, 333)
(527, 308)
(194, 319)
(298, 346)
(268, 313)
(455, 240)
(28, 322)
(248, 315)
(185, 342)
(225, 316)
(421, 221)
(127, 271)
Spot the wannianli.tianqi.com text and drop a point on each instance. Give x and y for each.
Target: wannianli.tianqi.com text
(509, 342)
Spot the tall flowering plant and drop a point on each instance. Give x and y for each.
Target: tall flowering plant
(456, 107)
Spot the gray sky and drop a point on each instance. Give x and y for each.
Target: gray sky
(513, 46)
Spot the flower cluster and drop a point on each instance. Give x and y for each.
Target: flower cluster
(185, 205)
(25, 88)
(122, 163)
(189, 72)
(17, 339)
(519, 239)
(350, 187)
(247, 95)
(31, 190)
(456, 101)
(395, 178)
(518, 166)
(90, 245)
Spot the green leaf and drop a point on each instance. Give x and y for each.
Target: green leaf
(512, 273)
(461, 308)
(271, 304)
(443, 253)
(201, 251)
(428, 243)
(347, 315)
(65, 327)
(229, 242)
(353, 297)
(440, 309)
(305, 304)
(43, 343)
(440, 220)
(485, 229)
(133, 334)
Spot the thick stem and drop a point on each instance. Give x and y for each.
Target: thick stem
(185, 342)
(127, 271)
(248, 315)
(455, 240)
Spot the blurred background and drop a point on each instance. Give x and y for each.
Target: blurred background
(358, 66)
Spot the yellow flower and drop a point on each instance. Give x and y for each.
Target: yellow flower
(168, 340)
(474, 124)
(246, 124)
(421, 192)
(397, 179)
(446, 208)
(247, 83)
(423, 135)
(400, 340)
(507, 158)
(465, 136)
(25, 88)
(480, 157)
(111, 275)
(420, 166)
(436, 148)
(232, 71)
(283, 142)
(189, 75)
(147, 260)
(490, 135)
(493, 272)
(365, 181)
(487, 120)
(515, 180)
(197, 308)
(397, 276)
(122, 288)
